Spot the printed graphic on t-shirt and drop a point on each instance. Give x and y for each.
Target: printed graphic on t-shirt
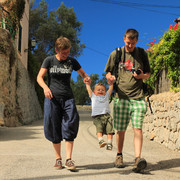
(63, 69)
(128, 65)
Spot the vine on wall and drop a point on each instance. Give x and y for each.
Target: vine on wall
(16, 11)
(165, 55)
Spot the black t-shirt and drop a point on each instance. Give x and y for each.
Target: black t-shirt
(59, 75)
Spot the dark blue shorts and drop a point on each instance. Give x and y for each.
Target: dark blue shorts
(61, 120)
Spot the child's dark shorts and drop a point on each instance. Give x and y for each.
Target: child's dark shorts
(104, 123)
(61, 119)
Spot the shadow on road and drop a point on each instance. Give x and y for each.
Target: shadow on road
(22, 132)
(166, 164)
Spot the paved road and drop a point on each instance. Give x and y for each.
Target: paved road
(26, 155)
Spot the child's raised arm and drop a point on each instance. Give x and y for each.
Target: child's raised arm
(88, 87)
(110, 82)
(110, 89)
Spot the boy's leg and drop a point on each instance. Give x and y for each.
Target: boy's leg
(109, 141)
(102, 143)
(97, 121)
(100, 135)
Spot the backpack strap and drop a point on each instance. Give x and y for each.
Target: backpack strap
(117, 61)
(142, 54)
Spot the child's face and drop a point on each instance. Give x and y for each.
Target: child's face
(99, 90)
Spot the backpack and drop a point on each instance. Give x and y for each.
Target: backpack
(148, 90)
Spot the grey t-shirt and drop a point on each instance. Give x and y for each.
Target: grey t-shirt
(128, 85)
(59, 75)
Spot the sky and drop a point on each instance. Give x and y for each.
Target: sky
(105, 22)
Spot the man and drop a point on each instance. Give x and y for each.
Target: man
(129, 100)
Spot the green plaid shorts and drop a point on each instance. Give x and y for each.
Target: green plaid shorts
(126, 109)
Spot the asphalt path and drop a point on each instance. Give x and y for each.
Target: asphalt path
(26, 155)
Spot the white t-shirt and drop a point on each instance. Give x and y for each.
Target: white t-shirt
(100, 104)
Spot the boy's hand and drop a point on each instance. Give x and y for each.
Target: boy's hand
(87, 80)
(111, 80)
(110, 77)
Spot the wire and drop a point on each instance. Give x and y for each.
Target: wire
(97, 51)
(138, 6)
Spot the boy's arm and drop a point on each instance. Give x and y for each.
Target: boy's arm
(110, 89)
(88, 87)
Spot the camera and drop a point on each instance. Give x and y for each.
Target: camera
(136, 71)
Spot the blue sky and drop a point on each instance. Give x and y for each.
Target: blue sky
(105, 21)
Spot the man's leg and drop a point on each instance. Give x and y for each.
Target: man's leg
(138, 140)
(121, 115)
(139, 108)
(120, 141)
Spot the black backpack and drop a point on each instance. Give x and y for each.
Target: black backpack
(148, 90)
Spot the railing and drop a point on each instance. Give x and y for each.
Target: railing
(5, 23)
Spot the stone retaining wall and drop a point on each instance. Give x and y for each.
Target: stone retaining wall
(163, 126)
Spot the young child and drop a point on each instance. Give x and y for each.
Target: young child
(100, 112)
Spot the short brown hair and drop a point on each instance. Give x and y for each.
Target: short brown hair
(62, 43)
(131, 33)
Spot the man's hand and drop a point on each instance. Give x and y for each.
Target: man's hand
(141, 75)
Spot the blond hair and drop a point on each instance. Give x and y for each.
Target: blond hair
(62, 43)
(99, 84)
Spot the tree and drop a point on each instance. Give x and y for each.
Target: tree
(46, 27)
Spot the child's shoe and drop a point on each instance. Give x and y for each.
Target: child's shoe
(102, 143)
(109, 147)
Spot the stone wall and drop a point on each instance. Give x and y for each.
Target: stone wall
(18, 100)
(163, 126)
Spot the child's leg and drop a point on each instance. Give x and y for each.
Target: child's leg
(109, 141)
(102, 143)
(110, 138)
(100, 135)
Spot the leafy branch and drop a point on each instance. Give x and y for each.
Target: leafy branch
(165, 55)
